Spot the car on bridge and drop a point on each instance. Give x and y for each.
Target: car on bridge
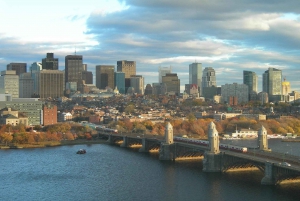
(285, 164)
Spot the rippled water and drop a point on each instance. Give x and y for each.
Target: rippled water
(113, 173)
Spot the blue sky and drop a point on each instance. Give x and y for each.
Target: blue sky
(230, 36)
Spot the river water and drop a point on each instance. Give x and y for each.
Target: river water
(109, 172)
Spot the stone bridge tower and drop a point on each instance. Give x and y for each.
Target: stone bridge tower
(213, 138)
(167, 148)
(263, 139)
(212, 161)
(169, 134)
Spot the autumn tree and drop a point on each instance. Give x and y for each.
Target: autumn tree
(69, 136)
(6, 138)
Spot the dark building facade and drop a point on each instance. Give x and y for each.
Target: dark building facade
(73, 69)
(87, 76)
(50, 63)
(18, 67)
(105, 76)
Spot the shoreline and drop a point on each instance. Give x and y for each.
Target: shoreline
(54, 144)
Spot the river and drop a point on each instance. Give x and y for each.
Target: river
(109, 172)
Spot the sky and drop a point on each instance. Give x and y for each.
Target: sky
(230, 36)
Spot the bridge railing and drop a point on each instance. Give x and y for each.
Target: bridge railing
(279, 156)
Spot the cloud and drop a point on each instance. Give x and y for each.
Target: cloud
(230, 36)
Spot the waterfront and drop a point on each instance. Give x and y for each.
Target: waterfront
(112, 173)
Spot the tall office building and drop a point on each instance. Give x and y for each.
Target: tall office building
(195, 75)
(105, 76)
(137, 82)
(18, 67)
(26, 85)
(272, 79)
(50, 63)
(237, 93)
(128, 67)
(73, 69)
(209, 77)
(9, 83)
(120, 82)
(159, 88)
(36, 66)
(172, 83)
(50, 83)
(250, 79)
(162, 71)
(87, 76)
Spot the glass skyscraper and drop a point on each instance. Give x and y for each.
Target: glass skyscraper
(272, 79)
(195, 75)
(120, 81)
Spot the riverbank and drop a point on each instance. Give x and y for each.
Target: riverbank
(53, 144)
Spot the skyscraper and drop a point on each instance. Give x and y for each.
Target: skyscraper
(250, 79)
(73, 68)
(50, 83)
(105, 76)
(9, 83)
(87, 76)
(137, 82)
(209, 77)
(128, 67)
(120, 82)
(18, 67)
(162, 71)
(50, 63)
(36, 66)
(26, 85)
(195, 75)
(172, 82)
(272, 81)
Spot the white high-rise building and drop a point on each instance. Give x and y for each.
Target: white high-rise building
(209, 77)
(162, 71)
(9, 83)
(195, 75)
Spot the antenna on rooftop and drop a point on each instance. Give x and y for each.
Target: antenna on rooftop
(75, 50)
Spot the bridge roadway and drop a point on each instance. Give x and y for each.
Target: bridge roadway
(266, 161)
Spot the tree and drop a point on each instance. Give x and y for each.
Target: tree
(6, 138)
(69, 136)
(129, 108)
(191, 117)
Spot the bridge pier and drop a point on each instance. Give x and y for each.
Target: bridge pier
(212, 162)
(143, 148)
(167, 152)
(110, 140)
(268, 179)
(125, 142)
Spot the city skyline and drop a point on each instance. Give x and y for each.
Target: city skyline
(230, 37)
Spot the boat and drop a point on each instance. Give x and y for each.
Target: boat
(81, 151)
